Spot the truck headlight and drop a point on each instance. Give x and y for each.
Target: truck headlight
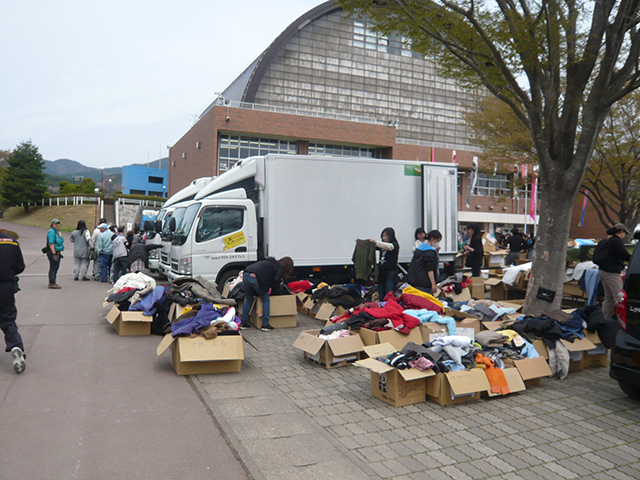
(184, 266)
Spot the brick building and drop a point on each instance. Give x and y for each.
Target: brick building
(328, 85)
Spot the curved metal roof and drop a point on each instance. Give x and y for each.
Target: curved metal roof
(273, 49)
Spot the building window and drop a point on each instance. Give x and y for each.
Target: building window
(234, 148)
(137, 192)
(493, 185)
(364, 37)
(159, 180)
(340, 151)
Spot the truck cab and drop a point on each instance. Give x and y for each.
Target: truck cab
(215, 237)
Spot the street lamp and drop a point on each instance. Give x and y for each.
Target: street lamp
(95, 218)
(164, 188)
(109, 187)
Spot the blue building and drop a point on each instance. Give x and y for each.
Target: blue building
(138, 180)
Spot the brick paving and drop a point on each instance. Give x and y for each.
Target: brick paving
(581, 427)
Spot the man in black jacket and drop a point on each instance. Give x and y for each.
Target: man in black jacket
(516, 246)
(423, 269)
(11, 264)
(610, 268)
(257, 280)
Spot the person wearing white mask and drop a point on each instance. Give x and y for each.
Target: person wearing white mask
(424, 264)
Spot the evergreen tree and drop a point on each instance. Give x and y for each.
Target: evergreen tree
(24, 179)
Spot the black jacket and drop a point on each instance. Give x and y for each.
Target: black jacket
(141, 251)
(423, 262)
(269, 274)
(477, 256)
(616, 256)
(11, 260)
(516, 243)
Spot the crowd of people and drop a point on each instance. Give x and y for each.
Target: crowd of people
(113, 253)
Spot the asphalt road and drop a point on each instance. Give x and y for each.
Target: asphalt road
(91, 404)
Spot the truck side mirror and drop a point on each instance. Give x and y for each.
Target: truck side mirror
(148, 226)
(172, 224)
(158, 226)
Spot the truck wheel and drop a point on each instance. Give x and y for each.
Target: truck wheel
(226, 278)
(631, 390)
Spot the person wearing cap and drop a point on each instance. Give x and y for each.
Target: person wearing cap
(54, 253)
(612, 266)
(12, 264)
(94, 254)
(105, 252)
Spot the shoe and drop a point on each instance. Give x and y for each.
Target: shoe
(96, 279)
(245, 326)
(18, 360)
(266, 328)
(54, 286)
(85, 279)
(75, 279)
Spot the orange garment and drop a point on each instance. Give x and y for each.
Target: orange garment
(495, 376)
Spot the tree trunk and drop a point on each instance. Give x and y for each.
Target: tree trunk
(26, 207)
(557, 191)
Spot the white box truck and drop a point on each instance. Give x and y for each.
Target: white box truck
(311, 209)
(159, 257)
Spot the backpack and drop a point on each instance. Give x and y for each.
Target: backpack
(600, 252)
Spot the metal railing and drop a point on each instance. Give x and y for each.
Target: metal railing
(294, 111)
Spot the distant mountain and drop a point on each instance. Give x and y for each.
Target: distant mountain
(70, 168)
(67, 169)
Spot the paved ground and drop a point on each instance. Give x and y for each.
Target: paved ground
(95, 405)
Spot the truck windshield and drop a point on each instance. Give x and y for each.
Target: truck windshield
(177, 214)
(183, 227)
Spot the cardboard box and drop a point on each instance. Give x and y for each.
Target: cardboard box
(329, 353)
(467, 327)
(197, 355)
(495, 259)
(576, 361)
(597, 357)
(530, 369)
(328, 311)
(129, 323)
(283, 312)
(457, 387)
(301, 299)
(396, 387)
(573, 289)
(463, 296)
(489, 243)
(397, 339)
(514, 381)
(477, 287)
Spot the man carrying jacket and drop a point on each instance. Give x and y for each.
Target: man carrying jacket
(424, 264)
(12, 264)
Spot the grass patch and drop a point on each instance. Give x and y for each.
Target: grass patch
(42, 216)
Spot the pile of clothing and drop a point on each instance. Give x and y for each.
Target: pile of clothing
(205, 319)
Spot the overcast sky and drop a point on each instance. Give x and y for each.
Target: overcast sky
(110, 83)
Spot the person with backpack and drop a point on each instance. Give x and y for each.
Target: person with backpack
(610, 255)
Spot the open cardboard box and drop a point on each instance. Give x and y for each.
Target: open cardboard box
(457, 387)
(495, 259)
(463, 296)
(129, 323)
(328, 311)
(576, 348)
(531, 370)
(467, 327)
(396, 387)
(197, 355)
(337, 352)
(283, 311)
(598, 357)
(397, 339)
(514, 381)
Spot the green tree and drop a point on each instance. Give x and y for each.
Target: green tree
(87, 185)
(24, 178)
(558, 65)
(612, 180)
